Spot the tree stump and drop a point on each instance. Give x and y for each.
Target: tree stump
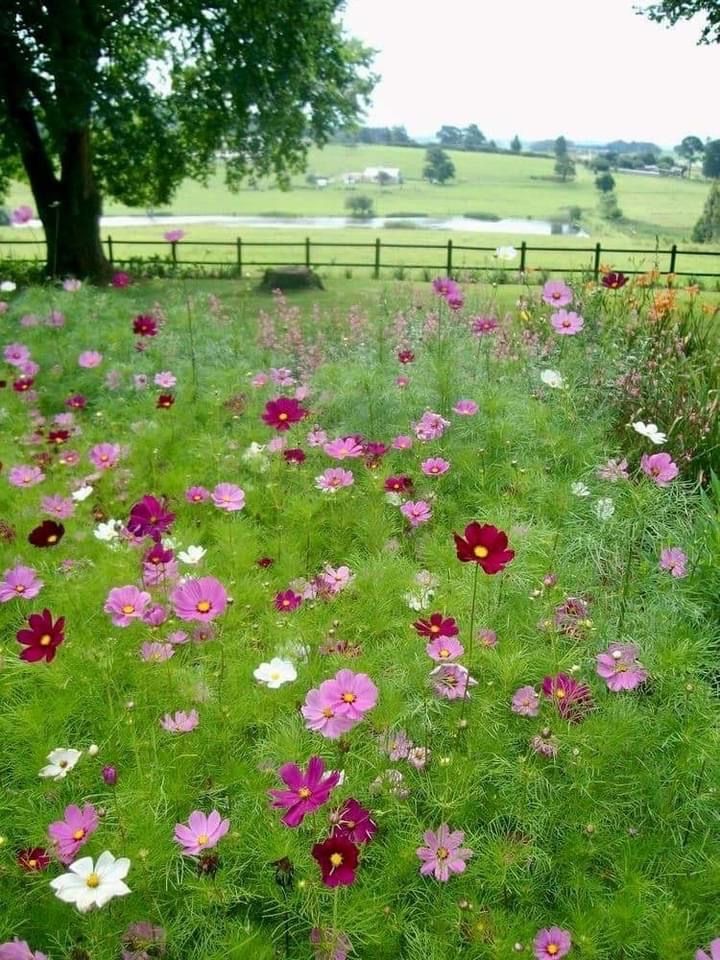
(290, 278)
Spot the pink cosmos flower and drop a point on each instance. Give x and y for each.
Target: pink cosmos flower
(202, 832)
(343, 447)
(526, 702)
(613, 470)
(25, 476)
(201, 599)
(402, 442)
(287, 600)
(56, 319)
(699, 955)
(327, 944)
(482, 326)
(259, 380)
(120, 280)
(430, 426)
(156, 652)
(307, 791)
(57, 506)
(674, 561)
(173, 236)
(455, 300)
(19, 583)
(450, 680)
(156, 615)
(551, 944)
(197, 494)
(350, 694)
(226, 496)
(20, 215)
(104, 456)
(557, 293)
(317, 437)
(444, 649)
(416, 512)
(335, 580)
(71, 833)
(466, 408)
(89, 359)
(165, 379)
(180, 721)
(321, 716)
(333, 479)
(619, 667)
(397, 745)
(488, 638)
(567, 323)
(19, 949)
(282, 376)
(660, 467)
(126, 604)
(276, 445)
(443, 853)
(16, 354)
(434, 466)
(402, 382)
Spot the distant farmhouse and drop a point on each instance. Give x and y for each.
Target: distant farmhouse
(382, 175)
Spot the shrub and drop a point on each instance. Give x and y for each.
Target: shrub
(360, 206)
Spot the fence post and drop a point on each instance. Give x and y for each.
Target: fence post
(596, 264)
(523, 255)
(376, 272)
(448, 265)
(173, 251)
(673, 258)
(110, 249)
(307, 252)
(238, 244)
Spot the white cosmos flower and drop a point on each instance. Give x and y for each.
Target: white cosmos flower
(506, 253)
(91, 884)
(275, 673)
(394, 498)
(82, 493)
(580, 489)
(650, 431)
(60, 762)
(193, 555)
(7, 286)
(604, 508)
(420, 600)
(553, 378)
(109, 531)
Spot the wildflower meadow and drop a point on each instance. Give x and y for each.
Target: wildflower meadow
(387, 632)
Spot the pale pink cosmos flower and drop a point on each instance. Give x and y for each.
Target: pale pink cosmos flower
(443, 853)
(434, 466)
(156, 574)
(444, 649)
(450, 680)
(321, 717)
(140, 381)
(334, 580)
(19, 583)
(660, 467)
(156, 652)
(69, 458)
(416, 512)
(180, 721)
(674, 561)
(177, 638)
(397, 745)
(418, 757)
(620, 668)
(466, 408)
(71, 833)
(613, 470)
(317, 437)
(57, 506)
(342, 448)
(557, 293)
(201, 599)
(104, 456)
(25, 476)
(226, 496)
(567, 323)
(125, 604)
(29, 368)
(276, 444)
(201, 832)
(165, 379)
(197, 494)
(282, 376)
(714, 954)
(16, 354)
(71, 285)
(19, 949)
(350, 694)
(302, 392)
(488, 638)
(56, 319)
(526, 702)
(402, 442)
(334, 479)
(89, 359)
(259, 380)
(431, 426)
(173, 236)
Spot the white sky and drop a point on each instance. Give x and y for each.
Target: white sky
(587, 69)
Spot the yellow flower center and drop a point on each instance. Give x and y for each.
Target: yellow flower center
(336, 859)
(52, 538)
(79, 834)
(128, 608)
(104, 457)
(304, 793)
(32, 863)
(196, 497)
(203, 606)
(19, 588)
(480, 552)
(327, 712)
(552, 949)
(93, 880)
(442, 853)
(349, 697)
(274, 674)
(434, 628)
(560, 694)
(282, 416)
(45, 640)
(444, 653)
(202, 839)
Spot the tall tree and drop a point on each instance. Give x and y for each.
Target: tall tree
(450, 136)
(707, 229)
(670, 11)
(126, 98)
(515, 144)
(473, 138)
(438, 165)
(564, 165)
(691, 148)
(711, 159)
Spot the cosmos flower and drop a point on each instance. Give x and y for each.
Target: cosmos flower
(201, 599)
(557, 294)
(443, 853)
(282, 412)
(192, 555)
(431, 426)
(180, 721)
(660, 467)
(41, 637)
(444, 649)
(353, 822)
(60, 763)
(104, 456)
(620, 668)
(321, 715)
(567, 323)
(337, 858)
(92, 884)
(699, 955)
(19, 583)
(437, 626)
(197, 494)
(466, 408)
(572, 699)
(89, 359)
(614, 280)
(73, 831)
(32, 860)
(484, 545)
(483, 326)
(434, 466)
(19, 950)
(275, 673)
(125, 604)
(613, 470)
(526, 702)
(343, 448)
(202, 832)
(327, 944)
(553, 379)
(227, 496)
(650, 432)
(57, 506)
(451, 680)
(551, 944)
(672, 559)
(21, 215)
(156, 652)
(173, 236)
(287, 600)
(145, 325)
(306, 792)
(47, 534)
(334, 479)
(416, 512)
(350, 694)
(25, 476)
(165, 401)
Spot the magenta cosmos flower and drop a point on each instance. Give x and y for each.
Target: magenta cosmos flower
(104, 456)
(443, 853)
(571, 698)
(567, 323)
(337, 858)
(343, 448)
(125, 604)
(19, 583)
(660, 467)
(226, 496)
(434, 466)
(201, 832)
(306, 791)
(334, 479)
(699, 955)
(25, 476)
(197, 494)
(483, 326)
(551, 944)
(180, 721)
(282, 412)
(353, 822)
(431, 426)
(557, 293)
(20, 215)
(41, 637)
(72, 832)
(149, 517)
(199, 599)
(287, 600)
(416, 512)
(672, 559)
(619, 667)
(350, 694)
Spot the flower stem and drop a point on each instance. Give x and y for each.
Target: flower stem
(470, 643)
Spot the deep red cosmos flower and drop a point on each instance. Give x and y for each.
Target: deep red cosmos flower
(337, 858)
(77, 401)
(165, 401)
(374, 450)
(282, 412)
(294, 455)
(48, 534)
(145, 325)
(23, 384)
(158, 555)
(287, 601)
(572, 699)
(437, 626)
(484, 545)
(33, 859)
(265, 562)
(613, 280)
(405, 356)
(58, 437)
(150, 517)
(42, 638)
(399, 484)
(353, 822)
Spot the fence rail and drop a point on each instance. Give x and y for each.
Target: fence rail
(666, 261)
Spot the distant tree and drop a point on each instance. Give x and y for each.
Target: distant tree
(438, 165)
(691, 149)
(605, 182)
(491, 146)
(612, 157)
(473, 138)
(646, 157)
(670, 11)
(666, 162)
(311, 179)
(564, 168)
(450, 137)
(399, 137)
(609, 209)
(599, 164)
(360, 206)
(711, 159)
(707, 229)
(383, 178)
(515, 144)
(561, 147)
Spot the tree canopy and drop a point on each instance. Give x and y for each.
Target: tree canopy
(438, 165)
(670, 11)
(127, 98)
